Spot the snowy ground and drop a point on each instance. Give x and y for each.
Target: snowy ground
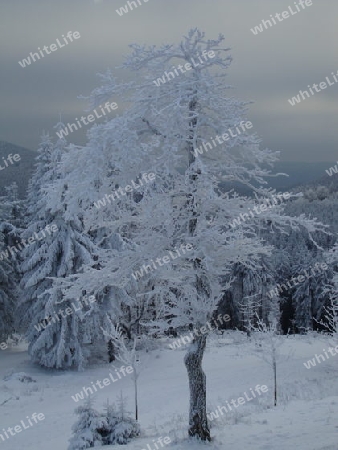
(305, 419)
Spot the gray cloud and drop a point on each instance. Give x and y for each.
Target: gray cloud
(268, 68)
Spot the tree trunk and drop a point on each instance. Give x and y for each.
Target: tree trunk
(198, 423)
(275, 380)
(136, 401)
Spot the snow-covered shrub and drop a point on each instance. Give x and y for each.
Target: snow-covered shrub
(87, 431)
(94, 429)
(124, 431)
(20, 376)
(122, 428)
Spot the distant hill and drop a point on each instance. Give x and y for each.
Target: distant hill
(322, 192)
(300, 173)
(329, 182)
(20, 171)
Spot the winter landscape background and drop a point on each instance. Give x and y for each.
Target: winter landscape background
(168, 251)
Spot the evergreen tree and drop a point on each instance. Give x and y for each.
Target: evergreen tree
(56, 325)
(121, 427)
(10, 215)
(86, 432)
(8, 294)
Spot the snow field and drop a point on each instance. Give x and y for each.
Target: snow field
(305, 418)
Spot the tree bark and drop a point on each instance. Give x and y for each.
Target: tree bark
(198, 422)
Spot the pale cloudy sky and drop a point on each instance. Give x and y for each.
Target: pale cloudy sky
(268, 68)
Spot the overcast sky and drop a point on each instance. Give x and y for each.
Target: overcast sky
(268, 68)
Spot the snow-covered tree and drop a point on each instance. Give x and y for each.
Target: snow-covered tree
(268, 343)
(15, 205)
(12, 228)
(249, 294)
(330, 319)
(8, 295)
(249, 309)
(329, 316)
(57, 327)
(297, 258)
(9, 276)
(42, 165)
(183, 130)
(128, 355)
